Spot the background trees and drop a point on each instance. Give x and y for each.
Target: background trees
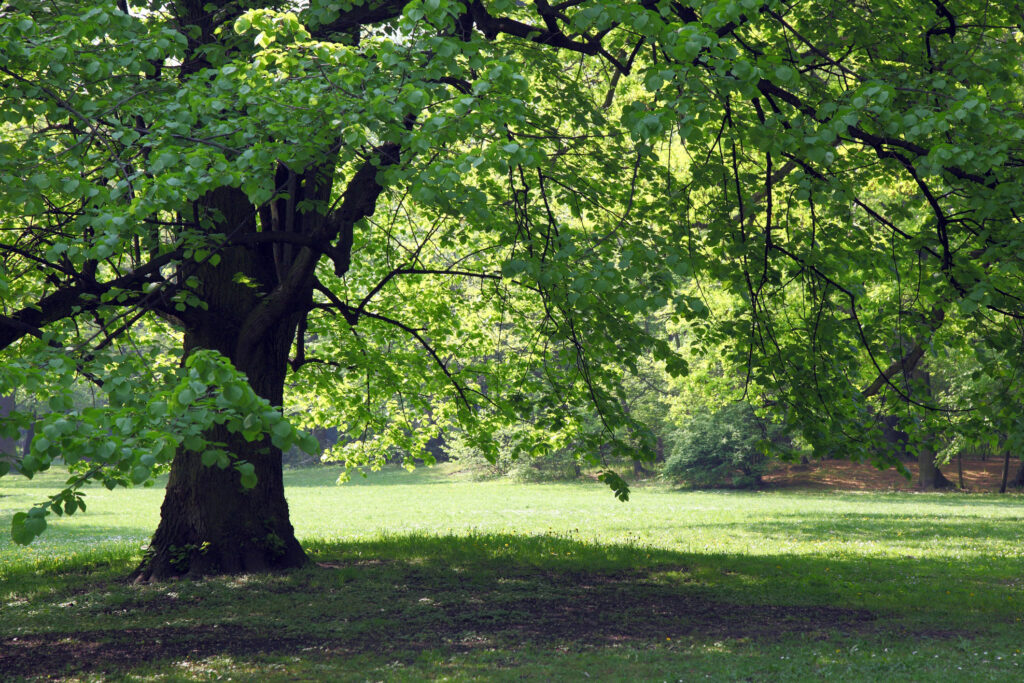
(420, 214)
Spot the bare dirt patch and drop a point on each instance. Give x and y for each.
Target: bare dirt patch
(57, 655)
(843, 475)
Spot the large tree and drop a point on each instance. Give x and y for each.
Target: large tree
(409, 214)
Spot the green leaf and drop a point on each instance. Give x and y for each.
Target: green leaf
(513, 267)
(616, 483)
(140, 473)
(309, 444)
(247, 474)
(26, 526)
(233, 392)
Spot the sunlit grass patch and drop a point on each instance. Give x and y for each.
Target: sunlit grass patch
(423, 576)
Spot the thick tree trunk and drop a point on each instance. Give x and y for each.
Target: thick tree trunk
(209, 523)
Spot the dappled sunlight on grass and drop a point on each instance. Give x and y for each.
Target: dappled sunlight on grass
(495, 580)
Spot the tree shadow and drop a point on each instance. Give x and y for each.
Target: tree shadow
(401, 595)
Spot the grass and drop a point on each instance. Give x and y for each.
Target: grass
(427, 576)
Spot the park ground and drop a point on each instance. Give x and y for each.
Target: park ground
(831, 573)
(979, 475)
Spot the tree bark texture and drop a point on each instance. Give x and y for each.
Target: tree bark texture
(209, 523)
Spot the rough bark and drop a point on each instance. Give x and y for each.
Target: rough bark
(208, 523)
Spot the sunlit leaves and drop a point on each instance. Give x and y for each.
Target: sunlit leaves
(826, 169)
(137, 434)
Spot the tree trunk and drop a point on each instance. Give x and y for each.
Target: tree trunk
(209, 524)
(930, 478)
(1006, 472)
(8, 446)
(638, 468)
(1018, 480)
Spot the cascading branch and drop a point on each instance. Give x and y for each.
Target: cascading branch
(426, 214)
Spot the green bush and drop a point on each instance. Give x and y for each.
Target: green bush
(724, 448)
(559, 464)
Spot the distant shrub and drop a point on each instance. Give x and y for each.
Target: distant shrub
(557, 465)
(724, 448)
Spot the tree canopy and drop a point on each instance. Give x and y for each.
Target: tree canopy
(236, 219)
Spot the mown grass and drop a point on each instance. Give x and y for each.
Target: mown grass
(427, 576)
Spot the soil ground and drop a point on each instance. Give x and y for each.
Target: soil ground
(843, 475)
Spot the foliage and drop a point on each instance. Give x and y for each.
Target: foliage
(559, 463)
(724, 448)
(467, 212)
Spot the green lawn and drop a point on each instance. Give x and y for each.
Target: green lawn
(431, 576)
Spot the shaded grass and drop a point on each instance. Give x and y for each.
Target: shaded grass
(493, 580)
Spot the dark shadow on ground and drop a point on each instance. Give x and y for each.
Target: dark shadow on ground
(403, 595)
